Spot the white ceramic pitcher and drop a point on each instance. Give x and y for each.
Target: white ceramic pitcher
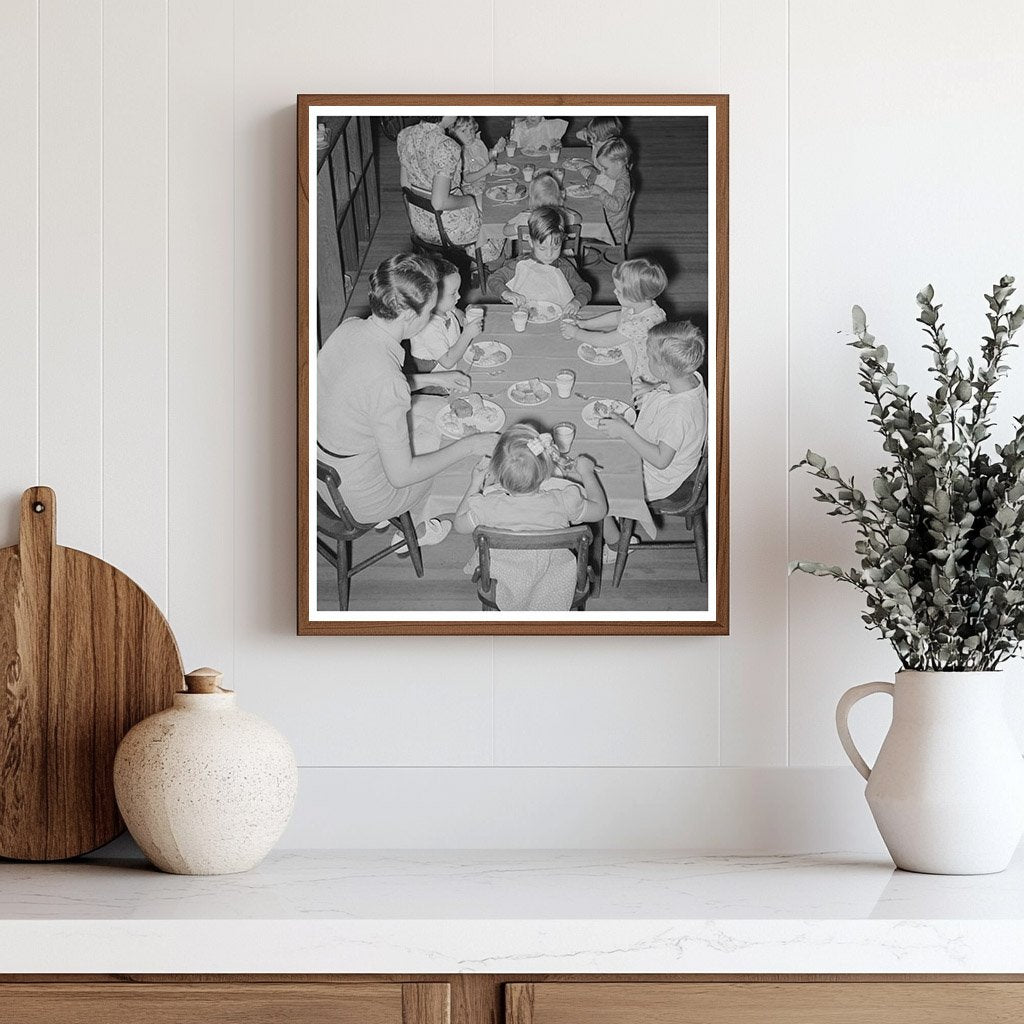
(947, 789)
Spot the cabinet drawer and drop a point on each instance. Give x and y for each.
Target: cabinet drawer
(205, 1003)
(766, 1003)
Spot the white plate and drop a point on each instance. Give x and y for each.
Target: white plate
(491, 417)
(578, 191)
(543, 312)
(542, 395)
(600, 355)
(506, 170)
(576, 163)
(608, 406)
(487, 354)
(512, 193)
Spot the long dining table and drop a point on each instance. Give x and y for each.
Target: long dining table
(540, 351)
(497, 213)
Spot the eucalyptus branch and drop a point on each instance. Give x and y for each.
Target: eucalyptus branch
(942, 537)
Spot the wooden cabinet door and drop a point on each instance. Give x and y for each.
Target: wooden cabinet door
(227, 1003)
(953, 1002)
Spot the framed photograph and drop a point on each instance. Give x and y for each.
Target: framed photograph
(512, 364)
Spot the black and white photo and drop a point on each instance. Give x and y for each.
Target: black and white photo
(512, 342)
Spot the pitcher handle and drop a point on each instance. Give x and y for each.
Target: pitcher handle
(846, 702)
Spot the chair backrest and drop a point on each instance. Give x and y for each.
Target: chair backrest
(336, 521)
(424, 203)
(697, 495)
(574, 538)
(572, 244)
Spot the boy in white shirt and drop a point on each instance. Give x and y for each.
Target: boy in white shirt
(672, 425)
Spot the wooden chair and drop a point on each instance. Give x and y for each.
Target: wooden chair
(336, 529)
(689, 500)
(577, 539)
(446, 247)
(572, 246)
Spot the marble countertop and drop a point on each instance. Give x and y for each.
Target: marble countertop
(499, 912)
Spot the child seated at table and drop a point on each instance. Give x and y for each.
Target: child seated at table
(517, 489)
(538, 134)
(672, 426)
(447, 335)
(477, 160)
(637, 284)
(597, 131)
(544, 190)
(543, 274)
(612, 186)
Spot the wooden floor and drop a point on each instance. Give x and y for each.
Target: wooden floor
(670, 226)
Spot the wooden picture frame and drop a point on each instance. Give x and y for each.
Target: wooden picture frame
(356, 121)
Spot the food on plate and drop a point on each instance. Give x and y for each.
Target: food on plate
(467, 406)
(487, 353)
(530, 392)
(593, 354)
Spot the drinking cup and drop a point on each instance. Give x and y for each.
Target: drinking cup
(519, 318)
(474, 313)
(554, 155)
(510, 148)
(528, 170)
(564, 381)
(563, 434)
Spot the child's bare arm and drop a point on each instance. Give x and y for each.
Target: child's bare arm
(658, 453)
(458, 350)
(463, 520)
(595, 504)
(603, 322)
(473, 176)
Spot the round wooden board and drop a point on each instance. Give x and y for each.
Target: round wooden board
(85, 654)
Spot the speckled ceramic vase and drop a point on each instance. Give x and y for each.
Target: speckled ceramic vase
(205, 789)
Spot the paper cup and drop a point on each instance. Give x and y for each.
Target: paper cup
(519, 318)
(528, 170)
(564, 380)
(474, 313)
(510, 149)
(553, 155)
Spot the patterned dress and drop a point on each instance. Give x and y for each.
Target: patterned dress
(425, 151)
(634, 326)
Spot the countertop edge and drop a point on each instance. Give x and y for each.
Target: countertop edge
(496, 946)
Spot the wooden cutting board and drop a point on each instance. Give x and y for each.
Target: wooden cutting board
(84, 655)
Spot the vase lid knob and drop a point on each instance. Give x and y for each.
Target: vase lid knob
(203, 680)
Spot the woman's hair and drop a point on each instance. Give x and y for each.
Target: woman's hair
(679, 347)
(546, 221)
(616, 149)
(603, 128)
(640, 279)
(402, 282)
(463, 121)
(545, 190)
(518, 469)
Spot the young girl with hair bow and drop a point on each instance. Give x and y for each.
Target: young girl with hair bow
(517, 489)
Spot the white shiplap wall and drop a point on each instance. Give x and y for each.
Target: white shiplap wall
(147, 372)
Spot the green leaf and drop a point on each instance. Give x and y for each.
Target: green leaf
(814, 459)
(860, 321)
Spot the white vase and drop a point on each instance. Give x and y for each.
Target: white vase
(204, 788)
(947, 789)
